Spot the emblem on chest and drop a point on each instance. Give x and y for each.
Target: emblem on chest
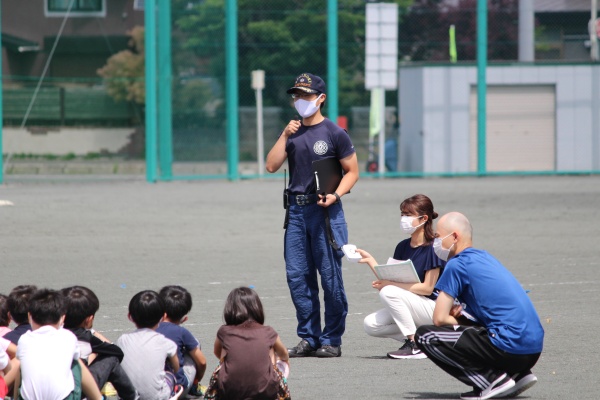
(320, 147)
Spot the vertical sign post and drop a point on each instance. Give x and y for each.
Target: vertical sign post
(258, 84)
(594, 28)
(381, 60)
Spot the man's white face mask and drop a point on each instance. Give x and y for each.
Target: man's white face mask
(439, 250)
(307, 108)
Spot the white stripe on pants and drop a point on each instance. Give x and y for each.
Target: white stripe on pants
(404, 312)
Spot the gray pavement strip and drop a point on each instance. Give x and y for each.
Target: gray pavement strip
(119, 237)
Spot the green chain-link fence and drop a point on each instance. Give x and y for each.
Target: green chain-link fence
(283, 38)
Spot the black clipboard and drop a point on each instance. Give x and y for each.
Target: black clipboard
(328, 175)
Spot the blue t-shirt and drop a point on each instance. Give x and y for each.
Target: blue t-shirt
(422, 257)
(185, 342)
(312, 143)
(494, 296)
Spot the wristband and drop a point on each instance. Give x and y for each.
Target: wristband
(337, 197)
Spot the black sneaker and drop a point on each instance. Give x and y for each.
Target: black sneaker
(329, 351)
(408, 350)
(303, 349)
(523, 381)
(499, 386)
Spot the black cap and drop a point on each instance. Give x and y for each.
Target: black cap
(308, 83)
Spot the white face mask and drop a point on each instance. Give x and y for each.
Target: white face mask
(406, 224)
(439, 250)
(307, 108)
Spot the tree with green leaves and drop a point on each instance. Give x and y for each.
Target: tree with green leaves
(282, 37)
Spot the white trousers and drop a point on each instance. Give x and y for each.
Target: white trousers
(402, 314)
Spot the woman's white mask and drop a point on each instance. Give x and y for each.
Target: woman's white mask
(406, 224)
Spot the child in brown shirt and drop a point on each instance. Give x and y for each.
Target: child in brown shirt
(248, 352)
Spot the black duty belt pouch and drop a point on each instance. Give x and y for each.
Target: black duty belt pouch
(286, 200)
(286, 205)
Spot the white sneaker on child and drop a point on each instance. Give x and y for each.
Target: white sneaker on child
(284, 367)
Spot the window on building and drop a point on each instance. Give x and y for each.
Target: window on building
(82, 8)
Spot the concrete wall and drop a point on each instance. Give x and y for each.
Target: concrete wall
(62, 141)
(434, 113)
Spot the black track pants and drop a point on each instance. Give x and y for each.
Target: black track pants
(466, 353)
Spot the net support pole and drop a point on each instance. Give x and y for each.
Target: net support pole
(165, 73)
(481, 85)
(332, 60)
(231, 79)
(150, 82)
(381, 137)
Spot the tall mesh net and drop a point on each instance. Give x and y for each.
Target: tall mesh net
(104, 90)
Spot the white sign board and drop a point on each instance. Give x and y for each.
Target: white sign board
(381, 58)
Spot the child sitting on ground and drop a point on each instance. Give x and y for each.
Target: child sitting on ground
(192, 363)
(147, 350)
(49, 355)
(101, 356)
(249, 353)
(18, 306)
(4, 315)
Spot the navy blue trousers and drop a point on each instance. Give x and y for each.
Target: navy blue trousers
(308, 252)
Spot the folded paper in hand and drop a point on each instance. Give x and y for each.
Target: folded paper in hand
(397, 271)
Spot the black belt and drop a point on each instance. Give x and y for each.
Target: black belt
(303, 199)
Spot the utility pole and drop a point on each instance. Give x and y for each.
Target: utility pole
(526, 31)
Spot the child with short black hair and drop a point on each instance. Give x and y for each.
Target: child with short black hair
(192, 362)
(147, 350)
(101, 356)
(4, 315)
(18, 306)
(49, 355)
(250, 353)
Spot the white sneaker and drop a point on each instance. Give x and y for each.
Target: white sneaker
(408, 350)
(284, 367)
(523, 381)
(502, 384)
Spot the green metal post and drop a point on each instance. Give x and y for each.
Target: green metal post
(332, 60)
(165, 119)
(1, 114)
(481, 85)
(150, 80)
(231, 78)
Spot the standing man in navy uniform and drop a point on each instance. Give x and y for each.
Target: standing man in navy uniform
(307, 245)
